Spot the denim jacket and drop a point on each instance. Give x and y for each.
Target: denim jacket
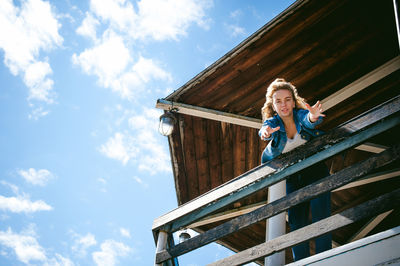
(304, 127)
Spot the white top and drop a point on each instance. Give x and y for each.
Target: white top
(293, 143)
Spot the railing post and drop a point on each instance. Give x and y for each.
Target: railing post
(161, 244)
(276, 226)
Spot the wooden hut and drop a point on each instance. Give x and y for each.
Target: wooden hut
(344, 53)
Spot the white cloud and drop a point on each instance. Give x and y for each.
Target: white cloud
(119, 13)
(155, 19)
(236, 31)
(110, 60)
(125, 232)
(140, 181)
(169, 19)
(107, 60)
(13, 187)
(109, 253)
(82, 243)
(144, 146)
(20, 204)
(120, 147)
(102, 180)
(28, 250)
(24, 245)
(24, 32)
(58, 261)
(88, 27)
(235, 14)
(154, 159)
(36, 177)
(37, 112)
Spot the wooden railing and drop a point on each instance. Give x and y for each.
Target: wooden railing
(348, 135)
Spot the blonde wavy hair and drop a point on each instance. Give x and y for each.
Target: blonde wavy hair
(267, 110)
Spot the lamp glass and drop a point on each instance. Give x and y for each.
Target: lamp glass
(166, 125)
(184, 236)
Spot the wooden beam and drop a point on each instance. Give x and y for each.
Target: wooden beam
(369, 226)
(371, 207)
(266, 175)
(304, 194)
(341, 95)
(371, 179)
(371, 147)
(362, 83)
(205, 74)
(317, 150)
(161, 244)
(227, 214)
(209, 113)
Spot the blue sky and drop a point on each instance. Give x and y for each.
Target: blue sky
(83, 170)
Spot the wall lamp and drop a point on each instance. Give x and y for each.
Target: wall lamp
(184, 236)
(167, 122)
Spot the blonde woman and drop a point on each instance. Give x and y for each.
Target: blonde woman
(288, 123)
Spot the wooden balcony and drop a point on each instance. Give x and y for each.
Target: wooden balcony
(384, 118)
(344, 53)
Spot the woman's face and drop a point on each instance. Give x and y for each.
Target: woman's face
(283, 103)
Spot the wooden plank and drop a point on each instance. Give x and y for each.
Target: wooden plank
(371, 147)
(174, 141)
(227, 151)
(161, 244)
(371, 179)
(209, 113)
(190, 156)
(362, 83)
(328, 102)
(214, 148)
(252, 149)
(369, 226)
(371, 207)
(228, 214)
(256, 178)
(204, 75)
(239, 150)
(338, 179)
(200, 147)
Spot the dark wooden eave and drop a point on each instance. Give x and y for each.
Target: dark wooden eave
(320, 46)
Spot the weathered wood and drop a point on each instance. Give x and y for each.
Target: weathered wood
(214, 148)
(190, 156)
(239, 150)
(200, 147)
(176, 150)
(329, 183)
(209, 114)
(161, 244)
(368, 227)
(227, 151)
(372, 178)
(326, 146)
(372, 207)
(362, 83)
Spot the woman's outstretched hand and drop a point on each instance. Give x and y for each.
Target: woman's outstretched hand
(315, 111)
(268, 131)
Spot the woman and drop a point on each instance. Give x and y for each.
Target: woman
(288, 123)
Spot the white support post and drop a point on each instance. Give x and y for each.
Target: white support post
(276, 226)
(161, 244)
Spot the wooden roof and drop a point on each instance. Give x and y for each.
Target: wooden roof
(321, 47)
